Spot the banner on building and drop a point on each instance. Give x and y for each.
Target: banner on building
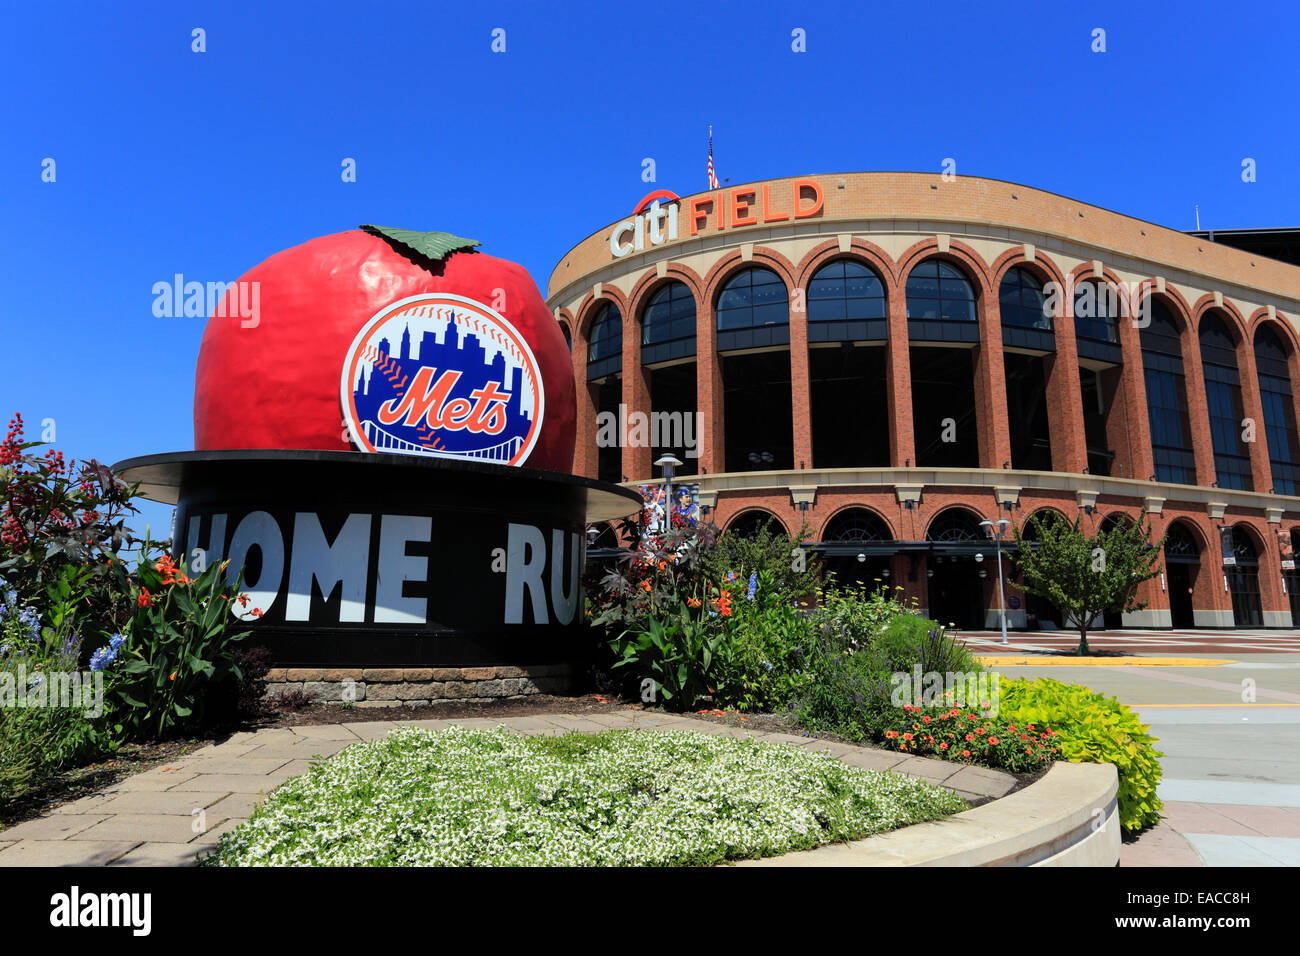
(1284, 549)
(1228, 547)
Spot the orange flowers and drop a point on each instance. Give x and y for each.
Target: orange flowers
(645, 585)
(145, 599)
(693, 602)
(171, 676)
(724, 604)
(256, 612)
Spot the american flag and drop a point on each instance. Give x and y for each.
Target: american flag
(713, 179)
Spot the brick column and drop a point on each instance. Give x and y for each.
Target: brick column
(898, 374)
(584, 449)
(708, 391)
(1272, 600)
(1065, 400)
(636, 458)
(1128, 425)
(1252, 403)
(1198, 408)
(800, 388)
(991, 388)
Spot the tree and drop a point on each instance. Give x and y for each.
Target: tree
(1086, 575)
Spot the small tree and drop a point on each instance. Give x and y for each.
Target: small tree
(1087, 575)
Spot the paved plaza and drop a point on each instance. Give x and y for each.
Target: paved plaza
(1229, 727)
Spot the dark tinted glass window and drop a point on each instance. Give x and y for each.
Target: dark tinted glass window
(669, 316)
(845, 290)
(754, 298)
(1096, 312)
(1171, 433)
(937, 290)
(606, 336)
(1279, 411)
(1223, 396)
(1020, 300)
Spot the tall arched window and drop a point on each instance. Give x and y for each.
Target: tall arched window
(1223, 396)
(845, 291)
(937, 291)
(1096, 312)
(606, 336)
(752, 299)
(1279, 411)
(1020, 300)
(605, 342)
(1162, 364)
(568, 339)
(669, 316)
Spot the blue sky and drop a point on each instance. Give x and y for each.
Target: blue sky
(204, 164)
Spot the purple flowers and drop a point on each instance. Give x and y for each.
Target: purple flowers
(106, 655)
(753, 586)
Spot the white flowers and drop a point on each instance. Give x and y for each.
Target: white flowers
(461, 797)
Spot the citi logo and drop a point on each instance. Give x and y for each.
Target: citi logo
(661, 218)
(74, 909)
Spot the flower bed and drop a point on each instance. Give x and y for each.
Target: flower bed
(463, 797)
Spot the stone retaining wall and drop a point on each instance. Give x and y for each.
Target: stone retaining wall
(395, 686)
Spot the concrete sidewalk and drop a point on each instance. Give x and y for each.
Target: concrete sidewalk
(170, 815)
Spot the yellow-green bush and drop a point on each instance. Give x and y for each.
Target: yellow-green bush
(1093, 728)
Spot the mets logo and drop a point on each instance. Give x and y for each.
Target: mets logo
(445, 376)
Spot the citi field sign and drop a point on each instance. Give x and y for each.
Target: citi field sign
(654, 221)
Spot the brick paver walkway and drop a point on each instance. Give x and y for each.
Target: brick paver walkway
(169, 816)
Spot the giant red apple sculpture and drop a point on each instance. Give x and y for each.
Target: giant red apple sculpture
(390, 341)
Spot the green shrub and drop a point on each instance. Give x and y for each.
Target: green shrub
(766, 552)
(38, 734)
(1093, 728)
(179, 647)
(675, 652)
(762, 661)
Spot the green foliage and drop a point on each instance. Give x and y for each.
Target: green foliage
(460, 797)
(767, 552)
(675, 652)
(58, 520)
(1093, 728)
(41, 737)
(1086, 575)
(179, 647)
(766, 638)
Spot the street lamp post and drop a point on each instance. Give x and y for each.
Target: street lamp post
(997, 538)
(668, 463)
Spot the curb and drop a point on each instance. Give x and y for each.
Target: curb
(1068, 818)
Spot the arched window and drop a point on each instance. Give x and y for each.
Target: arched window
(669, 316)
(1279, 411)
(568, 339)
(845, 291)
(955, 524)
(1096, 312)
(939, 292)
(606, 337)
(748, 524)
(1180, 545)
(1223, 397)
(752, 299)
(856, 524)
(1020, 300)
(1162, 364)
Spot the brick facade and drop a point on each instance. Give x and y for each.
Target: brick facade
(891, 222)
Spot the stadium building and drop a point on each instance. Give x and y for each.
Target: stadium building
(885, 360)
